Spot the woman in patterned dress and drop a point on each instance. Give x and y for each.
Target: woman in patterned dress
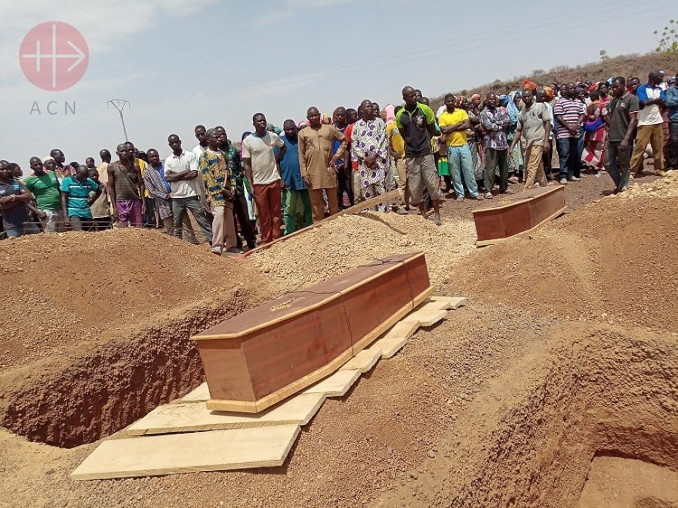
(369, 149)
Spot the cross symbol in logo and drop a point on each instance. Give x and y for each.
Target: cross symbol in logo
(54, 56)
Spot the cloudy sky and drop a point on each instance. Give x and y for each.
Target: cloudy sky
(182, 63)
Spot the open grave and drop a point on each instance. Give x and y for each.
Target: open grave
(560, 374)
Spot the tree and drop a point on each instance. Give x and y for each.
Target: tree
(603, 55)
(668, 42)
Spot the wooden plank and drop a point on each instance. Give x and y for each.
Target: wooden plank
(192, 417)
(454, 301)
(434, 305)
(404, 329)
(200, 394)
(218, 450)
(426, 317)
(364, 361)
(336, 385)
(390, 346)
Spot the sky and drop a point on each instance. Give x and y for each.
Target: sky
(211, 62)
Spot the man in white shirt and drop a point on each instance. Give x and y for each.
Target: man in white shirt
(261, 169)
(181, 171)
(651, 98)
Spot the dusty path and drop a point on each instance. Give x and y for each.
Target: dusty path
(505, 403)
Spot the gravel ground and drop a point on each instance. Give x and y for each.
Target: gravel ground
(407, 433)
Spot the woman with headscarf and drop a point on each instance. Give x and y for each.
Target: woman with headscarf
(369, 149)
(515, 158)
(595, 134)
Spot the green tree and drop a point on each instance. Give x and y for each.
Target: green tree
(668, 42)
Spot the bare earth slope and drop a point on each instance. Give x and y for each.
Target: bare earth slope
(566, 352)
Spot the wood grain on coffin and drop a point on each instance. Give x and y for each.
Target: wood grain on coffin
(380, 329)
(371, 295)
(217, 450)
(499, 240)
(283, 393)
(518, 214)
(282, 347)
(282, 355)
(192, 417)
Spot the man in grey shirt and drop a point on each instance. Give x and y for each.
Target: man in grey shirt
(534, 124)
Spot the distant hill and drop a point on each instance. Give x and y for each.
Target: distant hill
(624, 65)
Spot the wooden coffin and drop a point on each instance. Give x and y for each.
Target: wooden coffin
(268, 353)
(515, 214)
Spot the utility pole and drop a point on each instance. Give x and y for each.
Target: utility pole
(120, 104)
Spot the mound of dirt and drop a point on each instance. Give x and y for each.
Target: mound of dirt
(505, 403)
(613, 260)
(75, 287)
(100, 327)
(353, 240)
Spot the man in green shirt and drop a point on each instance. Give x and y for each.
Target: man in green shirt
(45, 187)
(77, 198)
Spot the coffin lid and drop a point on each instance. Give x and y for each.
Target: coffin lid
(290, 305)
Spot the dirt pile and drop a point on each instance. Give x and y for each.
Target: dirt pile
(352, 240)
(81, 288)
(100, 326)
(506, 403)
(614, 260)
(582, 391)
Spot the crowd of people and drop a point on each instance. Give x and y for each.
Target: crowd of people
(274, 181)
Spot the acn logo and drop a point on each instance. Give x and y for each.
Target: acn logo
(54, 56)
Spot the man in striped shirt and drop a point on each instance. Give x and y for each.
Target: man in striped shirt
(569, 113)
(160, 190)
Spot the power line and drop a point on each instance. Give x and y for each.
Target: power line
(120, 104)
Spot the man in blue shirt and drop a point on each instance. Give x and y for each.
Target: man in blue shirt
(297, 202)
(671, 103)
(76, 198)
(14, 198)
